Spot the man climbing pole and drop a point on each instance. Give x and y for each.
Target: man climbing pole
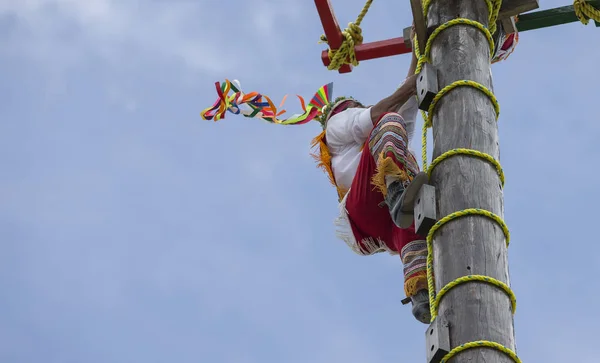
(366, 152)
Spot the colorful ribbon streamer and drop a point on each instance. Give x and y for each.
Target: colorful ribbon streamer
(263, 108)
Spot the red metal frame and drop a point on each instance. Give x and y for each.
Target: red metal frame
(365, 51)
(331, 29)
(374, 50)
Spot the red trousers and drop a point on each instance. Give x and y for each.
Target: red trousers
(369, 215)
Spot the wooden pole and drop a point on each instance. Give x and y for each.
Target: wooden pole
(471, 245)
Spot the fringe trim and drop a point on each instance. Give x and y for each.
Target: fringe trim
(344, 232)
(323, 158)
(387, 167)
(415, 283)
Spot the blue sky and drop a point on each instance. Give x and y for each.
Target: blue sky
(134, 231)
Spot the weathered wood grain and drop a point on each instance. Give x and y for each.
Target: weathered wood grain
(515, 7)
(465, 118)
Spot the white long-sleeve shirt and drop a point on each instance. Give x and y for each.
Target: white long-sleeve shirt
(346, 133)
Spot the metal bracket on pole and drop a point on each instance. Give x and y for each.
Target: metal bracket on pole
(425, 210)
(425, 215)
(427, 86)
(437, 339)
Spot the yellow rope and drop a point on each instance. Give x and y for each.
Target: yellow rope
(480, 278)
(493, 9)
(469, 152)
(423, 58)
(585, 11)
(479, 344)
(435, 298)
(352, 37)
(454, 85)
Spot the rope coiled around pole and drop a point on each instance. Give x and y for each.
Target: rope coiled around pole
(435, 298)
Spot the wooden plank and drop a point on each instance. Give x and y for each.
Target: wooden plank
(373, 50)
(331, 28)
(550, 17)
(471, 245)
(406, 35)
(515, 7)
(508, 25)
(420, 27)
(397, 46)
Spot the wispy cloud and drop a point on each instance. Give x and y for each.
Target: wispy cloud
(132, 230)
(62, 32)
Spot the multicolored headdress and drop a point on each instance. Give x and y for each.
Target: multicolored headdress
(320, 108)
(331, 108)
(257, 107)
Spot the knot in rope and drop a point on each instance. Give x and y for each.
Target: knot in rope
(352, 37)
(585, 11)
(345, 53)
